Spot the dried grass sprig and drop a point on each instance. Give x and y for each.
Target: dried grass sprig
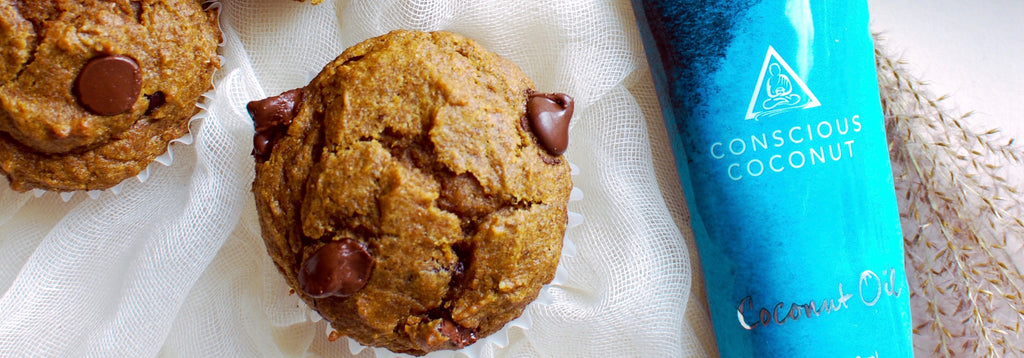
(962, 221)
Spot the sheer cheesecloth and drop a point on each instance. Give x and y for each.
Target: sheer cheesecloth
(175, 266)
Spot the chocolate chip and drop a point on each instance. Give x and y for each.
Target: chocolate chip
(261, 143)
(457, 335)
(549, 115)
(272, 116)
(458, 272)
(156, 100)
(464, 251)
(339, 268)
(275, 111)
(108, 85)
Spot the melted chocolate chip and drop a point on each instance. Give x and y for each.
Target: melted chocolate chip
(458, 272)
(339, 268)
(156, 100)
(108, 85)
(261, 143)
(549, 115)
(272, 116)
(458, 335)
(464, 252)
(275, 111)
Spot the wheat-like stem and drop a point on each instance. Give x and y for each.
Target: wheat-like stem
(961, 219)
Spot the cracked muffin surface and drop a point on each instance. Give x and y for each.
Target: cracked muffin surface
(93, 91)
(406, 194)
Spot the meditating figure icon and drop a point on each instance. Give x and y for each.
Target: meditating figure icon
(780, 89)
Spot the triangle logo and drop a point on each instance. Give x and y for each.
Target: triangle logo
(778, 89)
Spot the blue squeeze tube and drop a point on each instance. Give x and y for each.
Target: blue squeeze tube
(773, 112)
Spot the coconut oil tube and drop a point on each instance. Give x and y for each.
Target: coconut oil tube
(773, 112)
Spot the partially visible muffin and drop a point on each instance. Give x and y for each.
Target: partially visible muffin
(93, 91)
(414, 193)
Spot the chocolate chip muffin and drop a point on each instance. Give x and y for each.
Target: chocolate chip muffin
(92, 91)
(414, 193)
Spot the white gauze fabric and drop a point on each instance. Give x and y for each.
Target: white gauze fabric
(176, 267)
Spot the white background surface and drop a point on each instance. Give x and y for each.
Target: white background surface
(972, 51)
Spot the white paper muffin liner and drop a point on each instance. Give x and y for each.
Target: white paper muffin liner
(499, 339)
(167, 158)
